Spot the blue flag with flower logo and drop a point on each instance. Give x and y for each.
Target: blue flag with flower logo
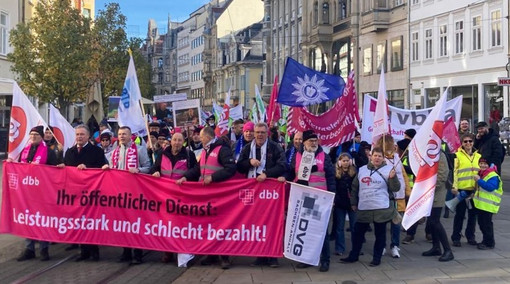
(302, 86)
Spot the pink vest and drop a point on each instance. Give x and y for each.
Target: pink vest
(210, 164)
(176, 172)
(318, 178)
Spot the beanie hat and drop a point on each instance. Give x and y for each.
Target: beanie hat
(105, 135)
(39, 129)
(402, 144)
(154, 133)
(249, 126)
(410, 132)
(308, 134)
(197, 129)
(483, 160)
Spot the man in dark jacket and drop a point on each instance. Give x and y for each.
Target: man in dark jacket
(216, 165)
(488, 144)
(261, 159)
(85, 155)
(297, 141)
(318, 172)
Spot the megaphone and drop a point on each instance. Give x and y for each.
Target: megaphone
(452, 204)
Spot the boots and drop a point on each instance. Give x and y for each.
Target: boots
(447, 256)
(45, 256)
(26, 255)
(435, 250)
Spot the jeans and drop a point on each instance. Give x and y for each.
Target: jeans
(459, 220)
(395, 234)
(359, 236)
(486, 226)
(340, 227)
(30, 244)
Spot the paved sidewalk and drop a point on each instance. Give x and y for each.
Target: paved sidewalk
(470, 265)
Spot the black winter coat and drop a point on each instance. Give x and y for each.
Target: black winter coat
(184, 154)
(275, 160)
(490, 148)
(343, 192)
(225, 158)
(91, 156)
(328, 169)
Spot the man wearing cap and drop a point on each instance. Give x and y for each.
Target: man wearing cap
(261, 159)
(216, 165)
(85, 155)
(489, 146)
(312, 167)
(133, 158)
(37, 152)
(248, 135)
(106, 144)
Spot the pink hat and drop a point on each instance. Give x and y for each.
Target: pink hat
(249, 126)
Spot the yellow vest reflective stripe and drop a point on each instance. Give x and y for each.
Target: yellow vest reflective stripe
(466, 170)
(489, 201)
(405, 162)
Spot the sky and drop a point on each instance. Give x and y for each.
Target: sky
(139, 12)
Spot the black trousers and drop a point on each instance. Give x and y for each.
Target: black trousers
(458, 220)
(437, 229)
(486, 226)
(359, 236)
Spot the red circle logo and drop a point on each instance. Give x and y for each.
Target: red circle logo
(17, 127)
(58, 135)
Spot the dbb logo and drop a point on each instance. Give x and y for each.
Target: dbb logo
(30, 181)
(267, 194)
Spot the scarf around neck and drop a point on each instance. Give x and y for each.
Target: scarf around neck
(253, 172)
(129, 158)
(40, 156)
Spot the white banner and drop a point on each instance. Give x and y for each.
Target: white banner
(130, 112)
(307, 223)
(236, 112)
(24, 116)
(403, 119)
(168, 98)
(62, 130)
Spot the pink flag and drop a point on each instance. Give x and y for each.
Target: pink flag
(24, 116)
(273, 109)
(424, 152)
(381, 119)
(451, 135)
(223, 123)
(62, 130)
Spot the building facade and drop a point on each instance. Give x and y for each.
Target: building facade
(462, 46)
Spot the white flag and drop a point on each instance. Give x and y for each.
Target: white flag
(24, 116)
(130, 112)
(236, 112)
(306, 225)
(62, 130)
(381, 121)
(223, 121)
(424, 153)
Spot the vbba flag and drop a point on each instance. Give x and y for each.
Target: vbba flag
(24, 116)
(62, 130)
(424, 153)
(302, 86)
(130, 112)
(381, 118)
(223, 122)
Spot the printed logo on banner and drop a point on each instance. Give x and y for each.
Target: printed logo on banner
(13, 181)
(310, 208)
(29, 180)
(247, 196)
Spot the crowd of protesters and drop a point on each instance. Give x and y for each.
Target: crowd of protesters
(372, 183)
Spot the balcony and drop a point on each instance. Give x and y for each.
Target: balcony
(321, 33)
(375, 20)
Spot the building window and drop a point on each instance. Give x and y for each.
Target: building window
(459, 37)
(496, 28)
(367, 61)
(86, 13)
(415, 2)
(367, 5)
(397, 58)
(160, 63)
(443, 41)
(428, 44)
(342, 9)
(382, 4)
(381, 56)
(477, 33)
(3, 33)
(396, 98)
(415, 47)
(325, 13)
(398, 3)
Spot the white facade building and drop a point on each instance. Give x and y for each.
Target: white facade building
(462, 45)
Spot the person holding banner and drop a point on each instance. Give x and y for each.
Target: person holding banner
(434, 220)
(133, 158)
(261, 159)
(372, 200)
(312, 167)
(85, 155)
(216, 165)
(37, 152)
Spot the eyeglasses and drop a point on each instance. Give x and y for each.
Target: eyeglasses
(467, 141)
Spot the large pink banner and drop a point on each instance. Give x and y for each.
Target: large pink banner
(112, 207)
